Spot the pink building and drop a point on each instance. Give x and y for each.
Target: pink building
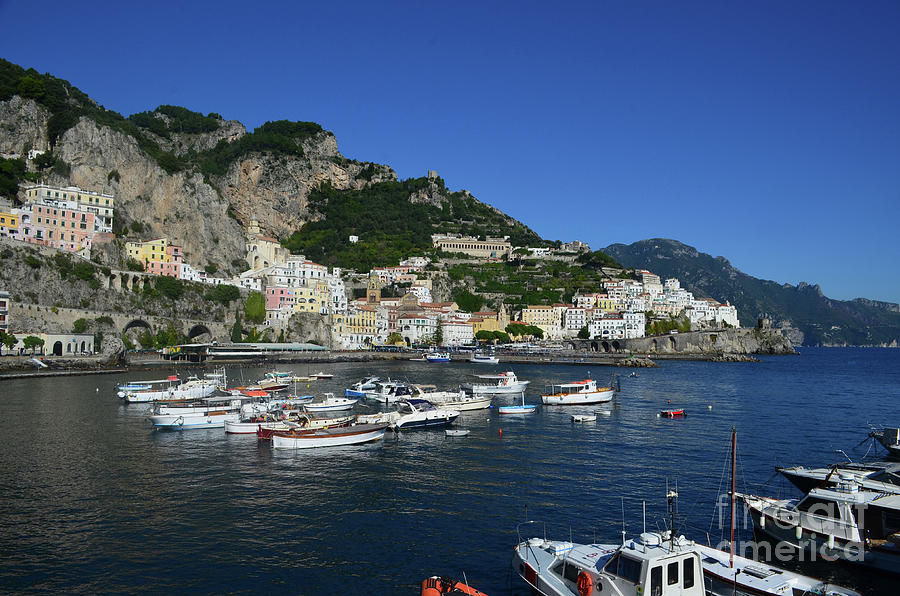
(69, 230)
(277, 297)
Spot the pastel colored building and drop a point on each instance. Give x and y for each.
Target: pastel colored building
(157, 256)
(101, 205)
(4, 310)
(69, 230)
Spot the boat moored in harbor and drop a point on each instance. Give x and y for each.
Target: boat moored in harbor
(582, 392)
(328, 437)
(501, 383)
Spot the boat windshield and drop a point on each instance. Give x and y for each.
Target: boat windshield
(625, 567)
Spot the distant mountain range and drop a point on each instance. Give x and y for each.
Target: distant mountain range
(810, 317)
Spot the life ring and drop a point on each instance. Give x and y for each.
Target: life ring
(585, 584)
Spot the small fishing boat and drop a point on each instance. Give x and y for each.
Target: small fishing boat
(502, 383)
(193, 388)
(582, 392)
(456, 432)
(328, 437)
(889, 439)
(584, 417)
(209, 412)
(672, 413)
(420, 413)
(331, 404)
(437, 357)
(522, 408)
(435, 586)
(481, 358)
(123, 388)
(322, 375)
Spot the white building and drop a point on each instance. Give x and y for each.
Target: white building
(456, 331)
(417, 327)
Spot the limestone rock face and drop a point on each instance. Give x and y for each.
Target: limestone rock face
(274, 189)
(23, 126)
(304, 327)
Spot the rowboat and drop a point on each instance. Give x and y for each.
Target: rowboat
(523, 408)
(456, 432)
(577, 393)
(672, 413)
(294, 419)
(328, 437)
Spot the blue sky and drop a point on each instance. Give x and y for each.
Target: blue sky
(765, 132)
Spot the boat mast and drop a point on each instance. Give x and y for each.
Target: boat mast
(733, 449)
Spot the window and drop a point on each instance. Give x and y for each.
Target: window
(672, 574)
(625, 567)
(656, 581)
(688, 573)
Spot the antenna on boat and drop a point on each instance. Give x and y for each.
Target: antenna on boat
(623, 520)
(672, 498)
(644, 510)
(733, 450)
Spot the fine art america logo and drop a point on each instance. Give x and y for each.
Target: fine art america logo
(812, 530)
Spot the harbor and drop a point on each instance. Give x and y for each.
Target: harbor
(418, 502)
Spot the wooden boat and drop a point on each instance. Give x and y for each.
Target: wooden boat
(328, 437)
(303, 421)
(582, 392)
(672, 413)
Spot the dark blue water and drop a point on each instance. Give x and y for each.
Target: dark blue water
(93, 501)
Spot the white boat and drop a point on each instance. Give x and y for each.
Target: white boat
(477, 358)
(266, 425)
(577, 393)
(420, 413)
(123, 388)
(328, 437)
(331, 404)
(654, 563)
(522, 408)
(584, 417)
(881, 477)
(456, 432)
(843, 521)
(454, 400)
(209, 412)
(387, 392)
(193, 388)
(502, 383)
(322, 375)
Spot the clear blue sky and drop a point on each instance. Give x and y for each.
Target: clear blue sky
(765, 132)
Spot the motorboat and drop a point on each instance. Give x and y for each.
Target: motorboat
(522, 408)
(502, 383)
(209, 412)
(419, 413)
(387, 392)
(328, 437)
(322, 375)
(843, 521)
(360, 388)
(331, 404)
(481, 358)
(454, 400)
(889, 439)
(876, 476)
(192, 388)
(437, 356)
(654, 563)
(125, 388)
(582, 392)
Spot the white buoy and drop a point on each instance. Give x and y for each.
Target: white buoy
(831, 541)
(709, 406)
(798, 532)
(762, 522)
(97, 389)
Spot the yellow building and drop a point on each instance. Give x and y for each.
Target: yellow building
(356, 329)
(9, 224)
(489, 321)
(607, 304)
(157, 256)
(315, 297)
(263, 251)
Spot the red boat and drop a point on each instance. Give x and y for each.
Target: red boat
(672, 413)
(435, 586)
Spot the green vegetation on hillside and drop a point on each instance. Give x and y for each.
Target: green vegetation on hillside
(277, 138)
(181, 120)
(389, 226)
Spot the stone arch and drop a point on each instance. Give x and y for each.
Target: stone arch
(137, 323)
(712, 338)
(672, 344)
(605, 345)
(82, 347)
(57, 348)
(198, 330)
(572, 347)
(654, 346)
(594, 346)
(616, 346)
(408, 342)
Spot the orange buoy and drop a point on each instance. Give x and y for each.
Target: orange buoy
(585, 584)
(501, 433)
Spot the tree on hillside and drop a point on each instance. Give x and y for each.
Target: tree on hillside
(236, 333)
(255, 308)
(468, 301)
(583, 333)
